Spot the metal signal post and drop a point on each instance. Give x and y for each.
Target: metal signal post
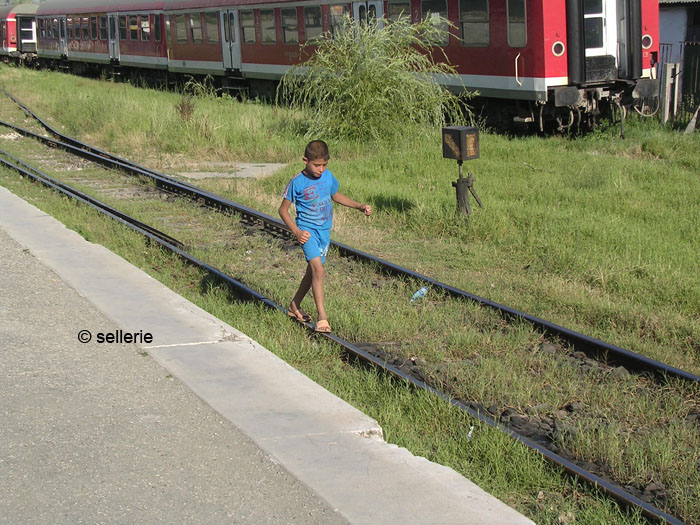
(462, 143)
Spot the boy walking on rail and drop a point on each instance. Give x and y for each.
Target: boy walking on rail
(311, 192)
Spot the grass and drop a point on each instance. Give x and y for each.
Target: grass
(577, 231)
(492, 460)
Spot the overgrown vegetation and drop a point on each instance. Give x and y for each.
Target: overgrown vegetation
(374, 81)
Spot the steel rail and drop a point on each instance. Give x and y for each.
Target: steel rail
(29, 171)
(613, 490)
(88, 148)
(581, 342)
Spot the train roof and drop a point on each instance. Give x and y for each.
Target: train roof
(19, 9)
(58, 7)
(171, 5)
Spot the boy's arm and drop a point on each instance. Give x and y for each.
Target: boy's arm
(347, 201)
(301, 235)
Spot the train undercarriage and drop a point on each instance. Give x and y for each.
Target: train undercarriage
(570, 108)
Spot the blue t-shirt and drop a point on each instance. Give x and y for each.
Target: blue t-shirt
(312, 198)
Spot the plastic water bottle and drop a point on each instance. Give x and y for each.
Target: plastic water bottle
(419, 294)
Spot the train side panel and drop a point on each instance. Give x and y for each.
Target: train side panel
(17, 31)
(8, 33)
(650, 36)
(508, 59)
(103, 32)
(194, 42)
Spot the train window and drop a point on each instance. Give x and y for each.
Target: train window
(156, 28)
(42, 28)
(474, 22)
(364, 14)
(434, 9)
(290, 26)
(336, 20)
(247, 27)
(227, 27)
(312, 22)
(517, 23)
(122, 27)
(27, 30)
(145, 28)
(69, 28)
(133, 27)
(196, 28)
(267, 26)
(54, 23)
(93, 27)
(593, 23)
(86, 28)
(397, 8)
(103, 28)
(592, 6)
(212, 24)
(180, 29)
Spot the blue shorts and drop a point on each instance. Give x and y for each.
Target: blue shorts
(317, 245)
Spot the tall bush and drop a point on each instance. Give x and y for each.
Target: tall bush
(373, 81)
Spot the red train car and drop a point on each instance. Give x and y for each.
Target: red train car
(88, 35)
(550, 59)
(17, 32)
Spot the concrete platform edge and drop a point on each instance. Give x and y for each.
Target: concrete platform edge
(316, 436)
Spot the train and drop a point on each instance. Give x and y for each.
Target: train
(535, 61)
(18, 32)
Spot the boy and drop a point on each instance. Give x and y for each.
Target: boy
(311, 192)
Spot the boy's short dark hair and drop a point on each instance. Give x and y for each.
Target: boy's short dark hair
(316, 149)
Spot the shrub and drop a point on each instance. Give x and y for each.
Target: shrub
(372, 81)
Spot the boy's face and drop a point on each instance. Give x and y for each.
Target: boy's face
(316, 167)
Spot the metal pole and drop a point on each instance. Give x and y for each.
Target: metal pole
(461, 185)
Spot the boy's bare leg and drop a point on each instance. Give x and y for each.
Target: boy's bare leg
(304, 287)
(317, 274)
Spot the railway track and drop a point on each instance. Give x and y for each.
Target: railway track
(593, 347)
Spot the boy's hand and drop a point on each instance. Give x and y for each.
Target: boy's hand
(366, 209)
(302, 236)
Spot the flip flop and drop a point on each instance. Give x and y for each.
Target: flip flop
(323, 326)
(299, 316)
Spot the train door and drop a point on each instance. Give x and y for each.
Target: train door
(230, 40)
(592, 36)
(62, 44)
(113, 36)
(27, 34)
(369, 10)
(600, 27)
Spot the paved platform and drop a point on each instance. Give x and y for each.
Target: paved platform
(200, 424)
